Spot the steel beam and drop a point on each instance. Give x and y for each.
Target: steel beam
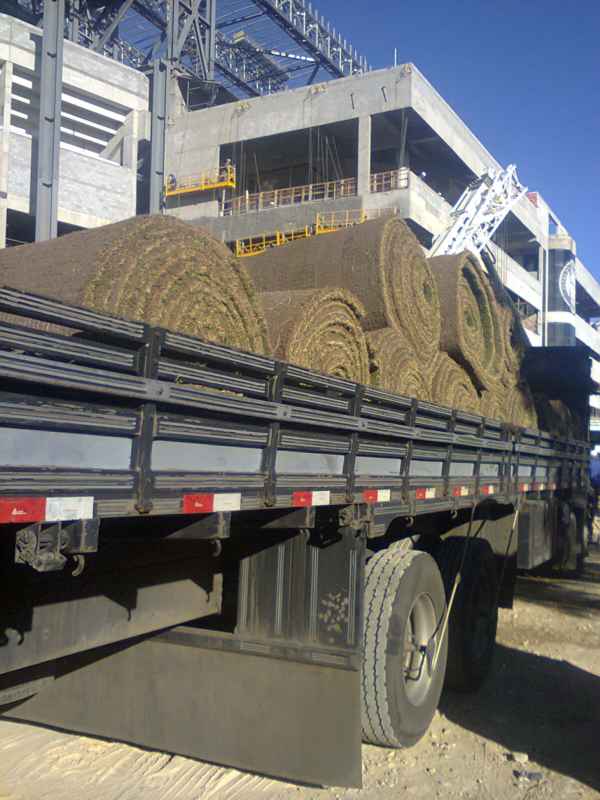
(48, 133)
(103, 38)
(160, 88)
(314, 35)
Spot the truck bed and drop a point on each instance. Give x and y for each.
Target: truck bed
(123, 419)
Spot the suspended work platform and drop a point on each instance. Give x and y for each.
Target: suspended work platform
(324, 223)
(223, 178)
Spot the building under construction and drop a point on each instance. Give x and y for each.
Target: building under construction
(258, 121)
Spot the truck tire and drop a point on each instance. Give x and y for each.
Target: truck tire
(402, 674)
(474, 615)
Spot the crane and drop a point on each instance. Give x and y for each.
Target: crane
(479, 212)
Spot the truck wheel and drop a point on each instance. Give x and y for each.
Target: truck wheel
(474, 615)
(403, 672)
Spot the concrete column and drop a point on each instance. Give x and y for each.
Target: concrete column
(5, 112)
(363, 172)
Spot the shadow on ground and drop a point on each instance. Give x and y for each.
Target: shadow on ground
(546, 708)
(576, 595)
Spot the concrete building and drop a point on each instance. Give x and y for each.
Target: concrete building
(103, 118)
(382, 140)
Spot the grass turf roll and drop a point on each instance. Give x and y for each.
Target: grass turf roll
(491, 405)
(451, 385)
(156, 269)
(471, 331)
(520, 407)
(398, 369)
(513, 347)
(380, 261)
(319, 329)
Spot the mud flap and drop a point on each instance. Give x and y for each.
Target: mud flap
(280, 696)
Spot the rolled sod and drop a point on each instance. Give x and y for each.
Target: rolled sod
(471, 330)
(319, 329)
(379, 261)
(156, 269)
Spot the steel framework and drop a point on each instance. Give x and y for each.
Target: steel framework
(245, 51)
(250, 49)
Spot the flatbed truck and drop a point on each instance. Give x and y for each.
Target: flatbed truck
(220, 555)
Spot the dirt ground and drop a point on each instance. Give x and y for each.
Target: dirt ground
(532, 732)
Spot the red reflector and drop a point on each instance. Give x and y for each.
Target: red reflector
(198, 503)
(425, 493)
(300, 499)
(370, 495)
(22, 509)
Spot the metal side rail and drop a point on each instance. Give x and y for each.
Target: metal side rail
(180, 426)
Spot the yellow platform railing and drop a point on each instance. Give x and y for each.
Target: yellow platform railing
(324, 223)
(334, 220)
(222, 178)
(388, 181)
(292, 196)
(255, 245)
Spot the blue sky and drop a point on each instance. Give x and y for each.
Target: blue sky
(524, 76)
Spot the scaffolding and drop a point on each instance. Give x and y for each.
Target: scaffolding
(222, 178)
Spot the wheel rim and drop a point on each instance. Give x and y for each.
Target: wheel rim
(420, 643)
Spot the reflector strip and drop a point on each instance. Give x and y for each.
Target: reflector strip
(524, 487)
(22, 509)
(209, 503)
(64, 508)
(425, 493)
(306, 499)
(377, 495)
(488, 489)
(460, 491)
(45, 509)
(321, 498)
(539, 486)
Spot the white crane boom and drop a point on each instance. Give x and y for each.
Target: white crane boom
(479, 211)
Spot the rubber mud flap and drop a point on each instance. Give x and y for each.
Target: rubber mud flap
(216, 701)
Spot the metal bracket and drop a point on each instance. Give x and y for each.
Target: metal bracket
(357, 517)
(44, 548)
(275, 391)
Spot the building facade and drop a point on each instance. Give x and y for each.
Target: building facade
(104, 114)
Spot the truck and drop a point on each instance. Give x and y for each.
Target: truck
(221, 555)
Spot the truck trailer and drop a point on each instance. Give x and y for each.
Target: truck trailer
(225, 556)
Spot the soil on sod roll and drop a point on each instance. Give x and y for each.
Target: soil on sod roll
(319, 329)
(380, 262)
(471, 330)
(156, 269)
(451, 385)
(397, 367)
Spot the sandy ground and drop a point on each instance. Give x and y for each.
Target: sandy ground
(532, 732)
